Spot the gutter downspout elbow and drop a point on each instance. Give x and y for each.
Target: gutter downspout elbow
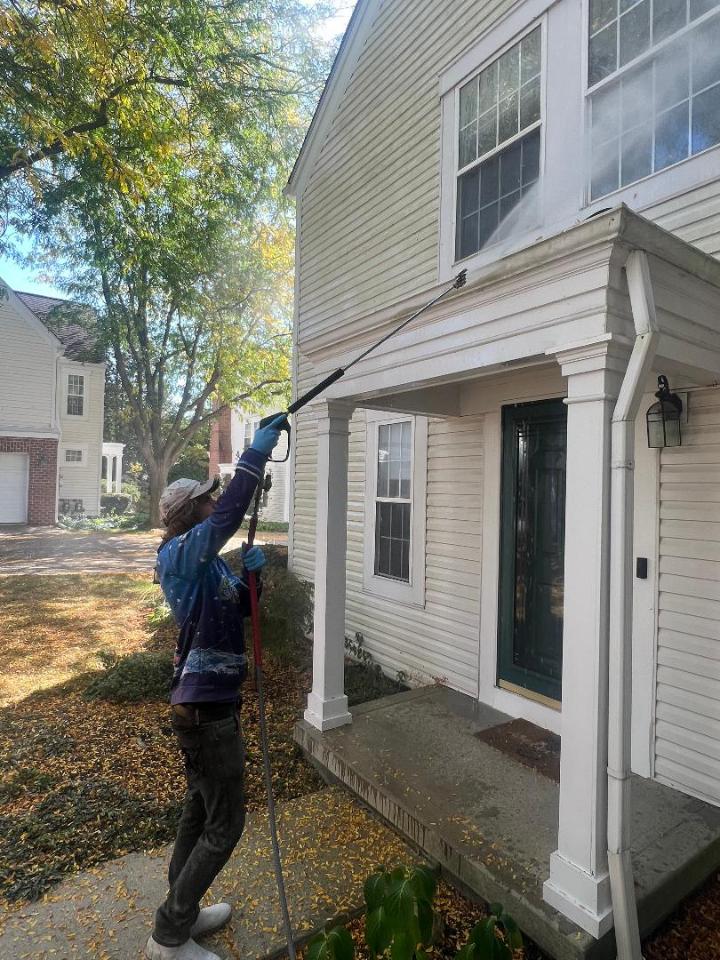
(622, 886)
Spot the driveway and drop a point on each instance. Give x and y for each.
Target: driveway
(48, 550)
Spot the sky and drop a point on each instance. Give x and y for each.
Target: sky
(32, 281)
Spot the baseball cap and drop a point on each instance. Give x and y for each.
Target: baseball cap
(182, 490)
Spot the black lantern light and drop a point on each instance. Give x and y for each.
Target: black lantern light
(663, 418)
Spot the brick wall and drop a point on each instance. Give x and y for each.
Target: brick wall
(42, 480)
(220, 442)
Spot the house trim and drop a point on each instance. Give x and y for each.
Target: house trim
(413, 593)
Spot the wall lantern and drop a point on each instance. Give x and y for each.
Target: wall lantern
(663, 418)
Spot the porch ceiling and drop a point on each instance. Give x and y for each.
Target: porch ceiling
(556, 294)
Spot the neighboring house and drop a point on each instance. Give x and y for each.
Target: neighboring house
(52, 388)
(452, 493)
(231, 434)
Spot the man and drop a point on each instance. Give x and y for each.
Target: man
(209, 604)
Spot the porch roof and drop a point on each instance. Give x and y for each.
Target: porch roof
(491, 822)
(557, 294)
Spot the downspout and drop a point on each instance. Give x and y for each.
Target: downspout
(622, 885)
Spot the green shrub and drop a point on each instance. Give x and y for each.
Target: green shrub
(495, 938)
(108, 521)
(135, 677)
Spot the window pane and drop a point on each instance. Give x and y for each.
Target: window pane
(605, 169)
(488, 94)
(508, 118)
(468, 144)
(606, 115)
(468, 198)
(706, 120)
(636, 98)
(510, 169)
(383, 478)
(671, 136)
(603, 54)
(636, 161)
(384, 519)
(75, 406)
(530, 159)
(468, 236)
(530, 103)
(530, 56)
(668, 18)
(468, 102)
(706, 55)
(488, 224)
(601, 13)
(634, 32)
(406, 442)
(487, 132)
(489, 182)
(508, 202)
(405, 567)
(383, 460)
(699, 7)
(672, 76)
(509, 72)
(392, 540)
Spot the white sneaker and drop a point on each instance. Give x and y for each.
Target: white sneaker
(186, 951)
(211, 919)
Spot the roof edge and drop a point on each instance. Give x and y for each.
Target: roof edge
(32, 318)
(356, 33)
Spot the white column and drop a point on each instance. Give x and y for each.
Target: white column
(118, 473)
(106, 460)
(579, 885)
(327, 704)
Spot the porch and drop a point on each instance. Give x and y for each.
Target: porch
(491, 821)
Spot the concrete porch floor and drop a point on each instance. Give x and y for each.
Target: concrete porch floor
(491, 823)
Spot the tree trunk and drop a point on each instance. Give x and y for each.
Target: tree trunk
(157, 477)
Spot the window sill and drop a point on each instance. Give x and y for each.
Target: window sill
(383, 588)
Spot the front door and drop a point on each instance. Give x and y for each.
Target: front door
(532, 547)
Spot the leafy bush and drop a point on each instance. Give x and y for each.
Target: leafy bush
(364, 679)
(108, 521)
(333, 944)
(485, 943)
(400, 912)
(114, 503)
(135, 677)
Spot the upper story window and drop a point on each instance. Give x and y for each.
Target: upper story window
(249, 432)
(73, 456)
(76, 395)
(498, 147)
(654, 79)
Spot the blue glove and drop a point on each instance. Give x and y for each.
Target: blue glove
(254, 559)
(266, 438)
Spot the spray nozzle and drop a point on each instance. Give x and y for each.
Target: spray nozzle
(460, 280)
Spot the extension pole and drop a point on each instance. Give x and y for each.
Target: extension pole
(257, 653)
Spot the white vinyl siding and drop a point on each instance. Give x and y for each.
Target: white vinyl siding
(441, 639)
(687, 730)
(27, 372)
(81, 481)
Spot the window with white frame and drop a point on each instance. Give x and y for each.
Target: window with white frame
(653, 87)
(393, 501)
(73, 455)
(498, 142)
(395, 517)
(249, 432)
(75, 395)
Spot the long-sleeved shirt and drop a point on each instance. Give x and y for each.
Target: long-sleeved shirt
(208, 601)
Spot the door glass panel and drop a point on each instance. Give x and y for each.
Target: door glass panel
(533, 547)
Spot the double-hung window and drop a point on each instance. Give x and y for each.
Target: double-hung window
(498, 143)
(395, 517)
(75, 395)
(653, 87)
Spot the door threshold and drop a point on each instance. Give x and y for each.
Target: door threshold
(530, 695)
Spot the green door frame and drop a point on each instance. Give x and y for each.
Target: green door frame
(549, 413)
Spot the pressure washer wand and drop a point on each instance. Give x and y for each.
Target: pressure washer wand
(319, 388)
(264, 485)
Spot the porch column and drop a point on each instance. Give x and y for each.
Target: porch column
(327, 704)
(106, 461)
(579, 885)
(118, 473)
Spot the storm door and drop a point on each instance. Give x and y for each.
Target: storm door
(532, 547)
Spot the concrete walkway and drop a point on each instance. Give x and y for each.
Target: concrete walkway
(48, 550)
(330, 845)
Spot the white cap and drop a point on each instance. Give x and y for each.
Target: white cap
(182, 490)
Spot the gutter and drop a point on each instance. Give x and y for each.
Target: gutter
(622, 885)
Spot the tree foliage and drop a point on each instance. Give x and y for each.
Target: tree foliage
(155, 137)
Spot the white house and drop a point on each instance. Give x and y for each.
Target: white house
(52, 391)
(231, 433)
(464, 497)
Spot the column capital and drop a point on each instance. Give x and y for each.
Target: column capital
(595, 368)
(334, 409)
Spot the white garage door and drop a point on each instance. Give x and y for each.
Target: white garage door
(13, 487)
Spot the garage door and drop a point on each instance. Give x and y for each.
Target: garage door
(13, 487)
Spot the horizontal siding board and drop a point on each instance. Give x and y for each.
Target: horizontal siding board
(687, 730)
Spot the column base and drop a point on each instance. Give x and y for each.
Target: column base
(327, 714)
(578, 895)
